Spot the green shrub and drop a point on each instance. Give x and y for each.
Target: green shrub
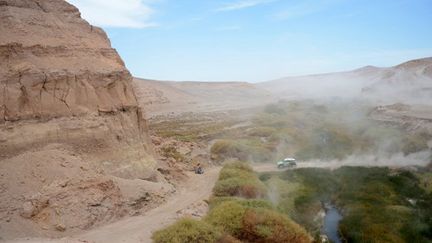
(235, 209)
(328, 142)
(260, 154)
(238, 165)
(242, 150)
(227, 173)
(262, 225)
(227, 149)
(171, 152)
(257, 203)
(426, 180)
(236, 170)
(366, 223)
(247, 188)
(216, 201)
(250, 203)
(376, 202)
(241, 165)
(228, 239)
(238, 179)
(187, 230)
(255, 224)
(227, 217)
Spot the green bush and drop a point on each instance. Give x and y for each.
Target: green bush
(328, 142)
(375, 201)
(261, 153)
(262, 225)
(242, 150)
(238, 165)
(247, 188)
(227, 217)
(255, 224)
(238, 179)
(171, 152)
(228, 239)
(227, 173)
(227, 149)
(236, 169)
(250, 203)
(187, 230)
(372, 224)
(257, 203)
(216, 201)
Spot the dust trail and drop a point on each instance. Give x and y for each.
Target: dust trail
(421, 158)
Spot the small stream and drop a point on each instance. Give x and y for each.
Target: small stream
(331, 223)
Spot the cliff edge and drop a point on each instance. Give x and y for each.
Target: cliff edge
(74, 148)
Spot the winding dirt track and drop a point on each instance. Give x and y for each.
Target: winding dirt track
(140, 228)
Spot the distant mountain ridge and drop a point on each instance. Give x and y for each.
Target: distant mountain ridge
(410, 81)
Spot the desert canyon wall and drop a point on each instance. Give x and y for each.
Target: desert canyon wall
(74, 148)
(62, 82)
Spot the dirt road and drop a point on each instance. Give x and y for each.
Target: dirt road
(270, 167)
(140, 228)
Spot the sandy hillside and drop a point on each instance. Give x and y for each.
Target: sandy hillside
(410, 117)
(165, 97)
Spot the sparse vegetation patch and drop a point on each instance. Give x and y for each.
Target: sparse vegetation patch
(239, 212)
(378, 204)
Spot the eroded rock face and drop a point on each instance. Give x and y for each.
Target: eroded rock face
(59, 70)
(55, 192)
(55, 64)
(74, 149)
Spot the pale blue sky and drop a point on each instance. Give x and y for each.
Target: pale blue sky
(259, 40)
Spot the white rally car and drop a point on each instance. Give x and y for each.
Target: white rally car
(287, 163)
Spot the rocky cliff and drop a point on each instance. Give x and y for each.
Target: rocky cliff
(56, 66)
(72, 136)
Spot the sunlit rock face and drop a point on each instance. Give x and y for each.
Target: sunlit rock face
(62, 82)
(55, 64)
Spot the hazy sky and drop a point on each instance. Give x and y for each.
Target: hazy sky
(259, 40)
